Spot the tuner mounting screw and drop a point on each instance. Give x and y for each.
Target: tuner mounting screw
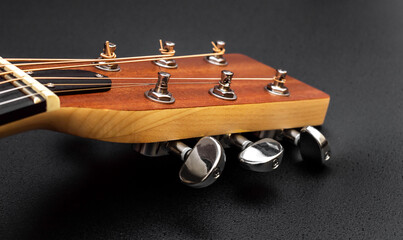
(223, 89)
(219, 49)
(108, 53)
(167, 49)
(277, 87)
(160, 92)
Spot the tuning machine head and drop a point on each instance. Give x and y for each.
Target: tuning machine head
(223, 89)
(203, 164)
(312, 144)
(168, 49)
(108, 53)
(277, 87)
(218, 59)
(264, 155)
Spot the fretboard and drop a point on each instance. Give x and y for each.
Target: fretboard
(21, 95)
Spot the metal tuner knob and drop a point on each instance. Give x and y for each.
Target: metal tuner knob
(203, 164)
(264, 155)
(313, 146)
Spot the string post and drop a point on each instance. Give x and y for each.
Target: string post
(108, 53)
(223, 89)
(167, 49)
(160, 92)
(218, 58)
(277, 87)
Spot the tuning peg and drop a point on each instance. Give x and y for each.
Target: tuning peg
(223, 89)
(277, 87)
(108, 53)
(160, 92)
(219, 48)
(264, 155)
(202, 165)
(312, 145)
(168, 49)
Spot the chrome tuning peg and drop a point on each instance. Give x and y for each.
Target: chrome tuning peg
(160, 92)
(168, 49)
(312, 145)
(203, 164)
(223, 89)
(277, 87)
(108, 53)
(264, 155)
(219, 49)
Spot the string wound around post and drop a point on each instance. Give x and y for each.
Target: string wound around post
(277, 87)
(108, 53)
(167, 49)
(219, 49)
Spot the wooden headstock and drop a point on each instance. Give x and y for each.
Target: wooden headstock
(126, 115)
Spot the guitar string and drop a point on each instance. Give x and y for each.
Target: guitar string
(172, 78)
(85, 84)
(68, 84)
(134, 84)
(86, 89)
(97, 84)
(117, 62)
(60, 61)
(18, 98)
(134, 78)
(162, 50)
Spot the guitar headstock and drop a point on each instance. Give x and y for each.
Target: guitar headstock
(124, 113)
(164, 98)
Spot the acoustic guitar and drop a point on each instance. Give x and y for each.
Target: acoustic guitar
(155, 101)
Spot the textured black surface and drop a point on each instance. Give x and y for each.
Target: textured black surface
(62, 187)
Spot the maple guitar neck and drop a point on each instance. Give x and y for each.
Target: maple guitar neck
(125, 115)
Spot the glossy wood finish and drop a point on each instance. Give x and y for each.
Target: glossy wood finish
(125, 115)
(195, 95)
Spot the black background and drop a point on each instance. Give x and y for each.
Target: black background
(58, 186)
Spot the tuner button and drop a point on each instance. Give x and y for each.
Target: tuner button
(313, 146)
(219, 60)
(223, 89)
(160, 92)
(203, 164)
(167, 49)
(277, 87)
(264, 155)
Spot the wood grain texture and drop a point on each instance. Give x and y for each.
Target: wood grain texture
(125, 115)
(195, 95)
